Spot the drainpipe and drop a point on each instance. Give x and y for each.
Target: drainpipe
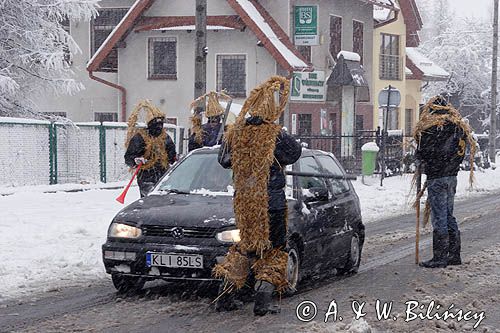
(123, 91)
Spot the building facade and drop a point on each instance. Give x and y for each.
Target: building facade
(144, 49)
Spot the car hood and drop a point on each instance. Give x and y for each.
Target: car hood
(184, 210)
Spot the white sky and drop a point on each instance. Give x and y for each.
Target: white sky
(477, 8)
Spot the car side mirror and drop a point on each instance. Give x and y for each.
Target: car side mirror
(317, 194)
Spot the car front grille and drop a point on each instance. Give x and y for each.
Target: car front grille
(193, 232)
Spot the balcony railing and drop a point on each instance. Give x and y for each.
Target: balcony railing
(390, 67)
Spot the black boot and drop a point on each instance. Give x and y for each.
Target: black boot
(226, 301)
(263, 298)
(440, 245)
(454, 250)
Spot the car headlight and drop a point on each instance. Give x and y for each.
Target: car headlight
(120, 230)
(229, 236)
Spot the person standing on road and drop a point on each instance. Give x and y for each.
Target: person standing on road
(206, 135)
(442, 136)
(257, 150)
(152, 147)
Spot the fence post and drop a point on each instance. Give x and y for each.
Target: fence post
(102, 152)
(53, 153)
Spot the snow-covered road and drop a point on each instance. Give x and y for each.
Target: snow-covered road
(54, 239)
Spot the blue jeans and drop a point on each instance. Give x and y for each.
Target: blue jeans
(441, 195)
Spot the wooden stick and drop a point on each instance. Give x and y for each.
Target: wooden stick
(417, 230)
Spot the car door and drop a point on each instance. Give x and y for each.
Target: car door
(342, 202)
(314, 213)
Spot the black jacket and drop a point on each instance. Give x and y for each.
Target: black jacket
(137, 148)
(286, 152)
(210, 134)
(442, 150)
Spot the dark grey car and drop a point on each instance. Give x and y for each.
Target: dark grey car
(186, 225)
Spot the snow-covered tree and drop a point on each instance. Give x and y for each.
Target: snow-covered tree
(35, 50)
(462, 46)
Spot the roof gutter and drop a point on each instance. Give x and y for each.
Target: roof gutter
(123, 113)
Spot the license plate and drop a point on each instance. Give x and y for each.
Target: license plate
(174, 260)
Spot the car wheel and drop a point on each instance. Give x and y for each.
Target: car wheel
(127, 284)
(354, 256)
(292, 269)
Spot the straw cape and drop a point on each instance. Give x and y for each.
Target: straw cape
(155, 151)
(252, 154)
(430, 119)
(213, 109)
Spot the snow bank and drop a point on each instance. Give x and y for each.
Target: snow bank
(53, 239)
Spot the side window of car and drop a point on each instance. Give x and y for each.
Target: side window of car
(308, 164)
(339, 185)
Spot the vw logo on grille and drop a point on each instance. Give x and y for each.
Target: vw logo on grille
(177, 232)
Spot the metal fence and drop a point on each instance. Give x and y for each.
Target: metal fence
(34, 152)
(347, 149)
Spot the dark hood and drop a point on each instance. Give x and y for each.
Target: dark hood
(179, 210)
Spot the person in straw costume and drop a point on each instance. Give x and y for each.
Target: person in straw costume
(206, 135)
(151, 146)
(442, 136)
(257, 150)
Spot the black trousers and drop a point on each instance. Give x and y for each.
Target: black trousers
(277, 228)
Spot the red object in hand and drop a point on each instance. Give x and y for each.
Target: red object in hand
(121, 198)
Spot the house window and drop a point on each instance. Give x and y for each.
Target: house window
(305, 51)
(162, 58)
(408, 121)
(105, 116)
(335, 36)
(100, 27)
(305, 124)
(332, 123)
(390, 60)
(357, 38)
(231, 74)
(360, 122)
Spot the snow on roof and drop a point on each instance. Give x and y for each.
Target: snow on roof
(384, 13)
(192, 27)
(261, 23)
(430, 69)
(408, 71)
(351, 56)
(108, 39)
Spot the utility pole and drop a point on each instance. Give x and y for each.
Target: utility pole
(493, 114)
(200, 57)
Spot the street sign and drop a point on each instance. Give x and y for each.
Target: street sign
(390, 94)
(306, 25)
(308, 86)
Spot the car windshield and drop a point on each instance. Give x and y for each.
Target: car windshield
(199, 174)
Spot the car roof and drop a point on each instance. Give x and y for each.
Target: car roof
(215, 150)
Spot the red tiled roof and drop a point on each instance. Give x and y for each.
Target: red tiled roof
(152, 22)
(118, 33)
(280, 48)
(269, 44)
(417, 73)
(413, 22)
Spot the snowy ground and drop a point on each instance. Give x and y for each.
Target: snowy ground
(54, 239)
(396, 196)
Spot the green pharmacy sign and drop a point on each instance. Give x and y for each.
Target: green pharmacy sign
(306, 25)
